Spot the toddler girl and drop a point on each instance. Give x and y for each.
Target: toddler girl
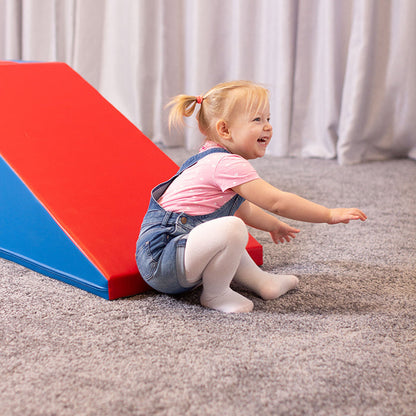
(194, 231)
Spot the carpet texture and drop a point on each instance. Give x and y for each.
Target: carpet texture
(344, 343)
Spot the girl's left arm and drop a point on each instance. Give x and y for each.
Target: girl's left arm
(285, 204)
(256, 217)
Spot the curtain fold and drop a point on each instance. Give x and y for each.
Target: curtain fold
(342, 74)
(380, 84)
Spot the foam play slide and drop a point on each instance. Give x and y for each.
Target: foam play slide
(75, 180)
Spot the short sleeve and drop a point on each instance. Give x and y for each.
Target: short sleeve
(233, 170)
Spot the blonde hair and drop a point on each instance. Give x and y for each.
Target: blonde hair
(220, 102)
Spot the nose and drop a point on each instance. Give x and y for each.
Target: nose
(268, 126)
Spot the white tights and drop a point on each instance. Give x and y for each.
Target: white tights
(216, 251)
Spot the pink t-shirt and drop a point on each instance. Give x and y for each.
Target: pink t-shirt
(206, 186)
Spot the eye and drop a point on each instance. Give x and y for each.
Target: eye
(257, 119)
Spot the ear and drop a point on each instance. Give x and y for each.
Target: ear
(223, 130)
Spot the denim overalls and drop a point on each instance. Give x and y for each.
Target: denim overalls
(160, 249)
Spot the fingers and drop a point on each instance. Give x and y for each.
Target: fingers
(362, 216)
(358, 215)
(286, 237)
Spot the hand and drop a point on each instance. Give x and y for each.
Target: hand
(345, 215)
(283, 232)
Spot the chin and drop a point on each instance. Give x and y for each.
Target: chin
(260, 154)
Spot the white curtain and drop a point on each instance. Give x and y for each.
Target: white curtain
(342, 73)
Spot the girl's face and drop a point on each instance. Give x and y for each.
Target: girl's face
(250, 134)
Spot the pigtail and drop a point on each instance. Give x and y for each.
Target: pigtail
(218, 103)
(181, 106)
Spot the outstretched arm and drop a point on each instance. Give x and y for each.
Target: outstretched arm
(289, 205)
(258, 218)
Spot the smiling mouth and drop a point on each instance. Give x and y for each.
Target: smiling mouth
(262, 140)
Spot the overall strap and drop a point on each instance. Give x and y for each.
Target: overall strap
(230, 207)
(158, 190)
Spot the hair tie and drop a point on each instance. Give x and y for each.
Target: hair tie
(199, 99)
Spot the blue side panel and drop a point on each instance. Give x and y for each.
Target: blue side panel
(31, 237)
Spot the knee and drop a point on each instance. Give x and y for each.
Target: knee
(234, 231)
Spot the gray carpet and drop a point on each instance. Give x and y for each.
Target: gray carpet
(344, 343)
